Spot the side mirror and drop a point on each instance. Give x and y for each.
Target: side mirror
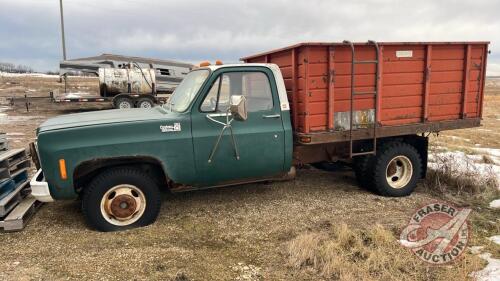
(238, 108)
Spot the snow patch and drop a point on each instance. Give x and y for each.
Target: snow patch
(77, 95)
(459, 138)
(495, 239)
(495, 204)
(476, 249)
(458, 164)
(491, 272)
(41, 75)
(15, 134)
(490, 151)
(9, 119)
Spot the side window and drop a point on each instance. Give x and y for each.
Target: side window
(210, 102)
(217, 99)
(257, 90)
(253, 85)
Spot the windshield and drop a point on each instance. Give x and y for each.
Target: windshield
(186, 91)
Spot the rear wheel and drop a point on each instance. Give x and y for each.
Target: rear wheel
(123, 103)
(397, 168)
(145, 103)
(362, 166)
(121, 198)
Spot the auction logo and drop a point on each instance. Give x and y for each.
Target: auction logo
(437, 233)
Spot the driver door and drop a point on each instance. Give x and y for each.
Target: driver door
(259, 140)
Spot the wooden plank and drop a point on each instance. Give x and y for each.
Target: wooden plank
(427, 87)
(14, 160)
(15, 174)
(463, 112)
(9, 153)
(331, 86)
(307, 89)
(20, 216)
(11, 200)
(4, 145)
(6, 187)
(22, 164)
(482, 84)
(4, 173)
(295, 92)
(379, 87)
(387, 131)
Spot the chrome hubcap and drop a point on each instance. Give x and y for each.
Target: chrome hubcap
(123, 204)
(145, 104)
(399, 172)
(124, 105)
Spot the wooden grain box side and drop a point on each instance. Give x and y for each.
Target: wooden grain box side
(419, 82)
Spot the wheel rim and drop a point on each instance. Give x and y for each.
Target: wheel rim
(399, 172)
(124, 105)
(145, 104)
(123, 204)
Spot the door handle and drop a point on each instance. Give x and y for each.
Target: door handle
(271, 116)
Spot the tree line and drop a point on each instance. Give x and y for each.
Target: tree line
(13, 68)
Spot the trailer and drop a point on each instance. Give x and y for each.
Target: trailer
(124, 81)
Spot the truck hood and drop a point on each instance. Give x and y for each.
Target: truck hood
(102, 117)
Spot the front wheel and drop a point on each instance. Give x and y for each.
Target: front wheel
(123, 103)
(121, 198)
(397, 168)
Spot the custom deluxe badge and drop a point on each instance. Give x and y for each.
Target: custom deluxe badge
(437, 233)
(176, 127)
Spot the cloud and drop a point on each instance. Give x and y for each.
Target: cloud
(194, 30)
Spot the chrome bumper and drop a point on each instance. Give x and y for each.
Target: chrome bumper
(40, 188)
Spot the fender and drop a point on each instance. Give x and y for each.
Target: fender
(86, 170)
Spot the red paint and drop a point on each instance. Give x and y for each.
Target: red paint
(440, 81)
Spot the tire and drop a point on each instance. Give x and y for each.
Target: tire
(123, 103)
(397, 169)
(145, 103)
(136, 200)
(362, 166)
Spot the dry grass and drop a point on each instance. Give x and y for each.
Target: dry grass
(373, 254)
(488, 160)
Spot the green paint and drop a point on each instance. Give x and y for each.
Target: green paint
(265, 144)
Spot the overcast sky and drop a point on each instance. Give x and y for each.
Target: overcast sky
(199, 30)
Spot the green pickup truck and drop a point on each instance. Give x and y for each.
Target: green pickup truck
(224, 125)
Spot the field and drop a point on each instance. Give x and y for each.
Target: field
(312, 228)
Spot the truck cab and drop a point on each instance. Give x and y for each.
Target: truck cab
(223, 125)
